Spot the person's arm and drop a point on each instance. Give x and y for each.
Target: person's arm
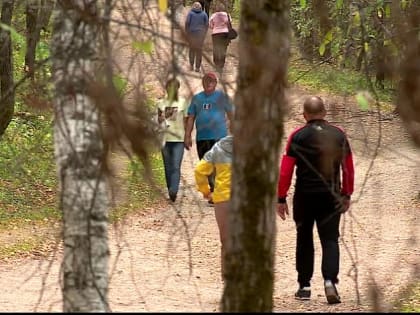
(188, 131)
(185, 122)
(347, 181)
(203, 169)
(189, 123)
(160, 117)
(287, 167)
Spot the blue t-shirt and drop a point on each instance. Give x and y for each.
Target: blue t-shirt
(209, 112)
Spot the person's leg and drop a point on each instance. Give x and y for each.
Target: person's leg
(221, 212)
(202, 147)
(199, 51)
(166, 157)
(223, 49)
(217, 47)
(304, 220)
(177, 153)
(191, 56)
(328, 222)
(192, 44)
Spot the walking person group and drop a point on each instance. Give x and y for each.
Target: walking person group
(210, 111)
(197, 23)
(319, 151)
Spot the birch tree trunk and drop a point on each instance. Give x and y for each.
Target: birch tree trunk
(80, 158)
(7, 92)
(258, 129)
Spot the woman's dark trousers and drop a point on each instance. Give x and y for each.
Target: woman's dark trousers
(220, 44)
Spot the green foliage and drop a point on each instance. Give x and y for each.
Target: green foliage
(143, 47)
(362, 101)
(27, 175)
(333, 80)
(25, 246)
(236, 11)
(141, 192)
(28, 179)
(410, 300)
(120, 84)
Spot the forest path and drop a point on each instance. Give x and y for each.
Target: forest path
(168, 258)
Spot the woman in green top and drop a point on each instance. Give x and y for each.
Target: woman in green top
(173, 109)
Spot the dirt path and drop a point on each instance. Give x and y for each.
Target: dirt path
(167, 259)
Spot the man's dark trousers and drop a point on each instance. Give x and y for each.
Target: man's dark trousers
(322, 209)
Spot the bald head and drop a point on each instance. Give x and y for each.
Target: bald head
(314, 108)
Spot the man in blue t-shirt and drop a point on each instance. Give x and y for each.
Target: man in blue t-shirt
(208, 109)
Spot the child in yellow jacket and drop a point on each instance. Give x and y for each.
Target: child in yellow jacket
(219, 158)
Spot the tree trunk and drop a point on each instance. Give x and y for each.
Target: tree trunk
(37, 17)
(408, 102)
(80, 158)
(258, 129)
(7, 92)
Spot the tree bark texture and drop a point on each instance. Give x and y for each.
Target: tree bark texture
(7, 92)
(79, 151)
(258, 128)
(38, 13)
(408, 103)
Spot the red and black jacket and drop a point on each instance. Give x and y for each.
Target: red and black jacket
(318, 150)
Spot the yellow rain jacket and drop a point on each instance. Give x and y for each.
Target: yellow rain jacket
(218, 158)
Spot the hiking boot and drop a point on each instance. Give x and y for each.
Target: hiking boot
(210, 202)
(303, 293)
(331, 292)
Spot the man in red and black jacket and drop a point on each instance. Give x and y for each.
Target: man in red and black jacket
(318, 150)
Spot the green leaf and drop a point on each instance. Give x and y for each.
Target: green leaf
(328, 37)
(362, 101)
(339, 4)
(303, 4)
(120, 83)
(322, 49)
(16, 37)
(143, 47)
(366, 46)
(356, 19)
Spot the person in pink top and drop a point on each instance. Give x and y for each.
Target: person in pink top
(218, 24)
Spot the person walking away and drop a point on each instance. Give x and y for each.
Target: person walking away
(173, 109)
(196, 26)
(208, 110)
(205, 4)
(218, 24)
(319, 150)
(218, 159)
